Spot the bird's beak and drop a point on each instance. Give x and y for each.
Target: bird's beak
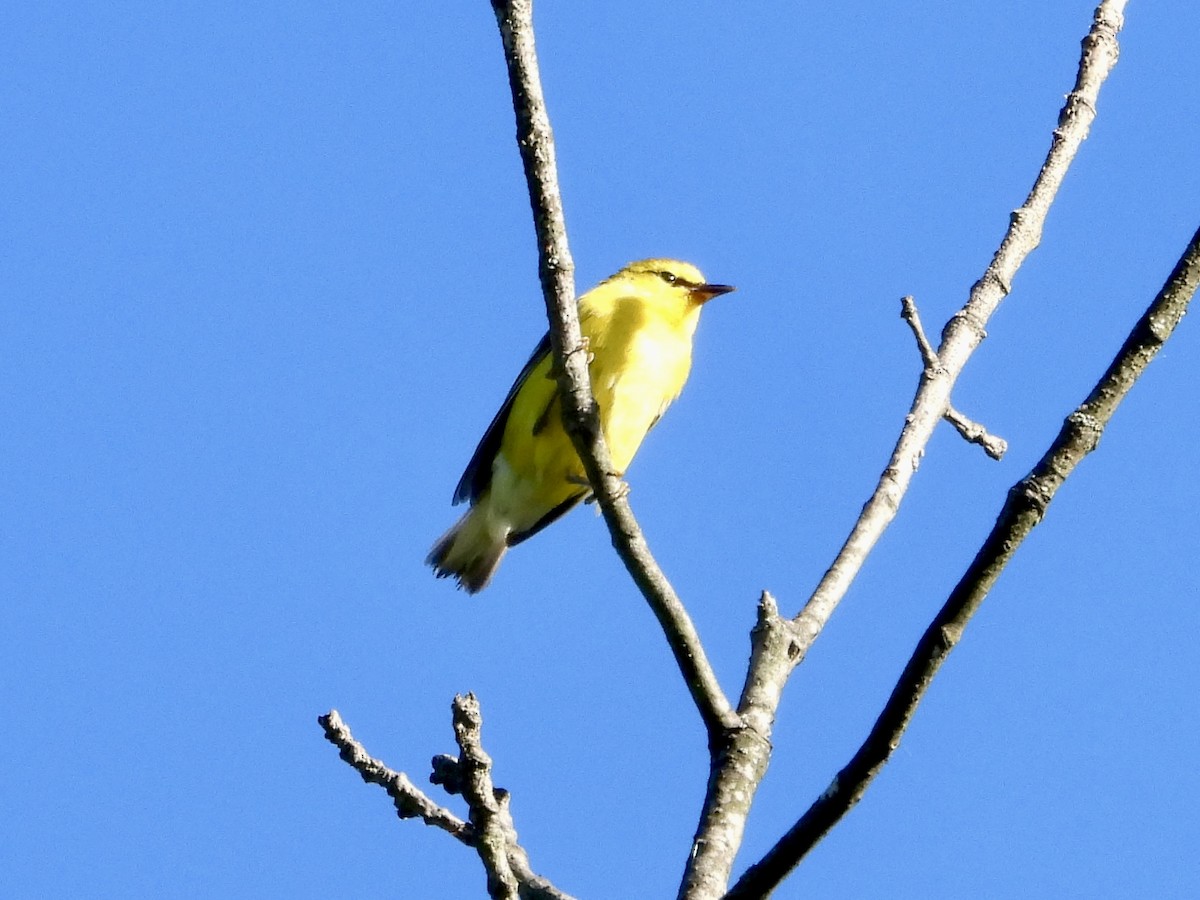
(702, 293)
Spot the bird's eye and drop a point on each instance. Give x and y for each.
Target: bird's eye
(668, 277)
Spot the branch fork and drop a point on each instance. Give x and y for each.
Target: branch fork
(490, 831)
(971, 431)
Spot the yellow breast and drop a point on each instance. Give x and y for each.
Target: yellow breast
(641, 356)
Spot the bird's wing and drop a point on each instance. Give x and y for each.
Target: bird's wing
(478, 474)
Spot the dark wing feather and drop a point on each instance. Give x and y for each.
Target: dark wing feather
(558, 512)
(478, 474)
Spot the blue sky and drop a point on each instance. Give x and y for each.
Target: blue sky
(269, 269)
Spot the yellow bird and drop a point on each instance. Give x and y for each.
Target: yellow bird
(525, 473)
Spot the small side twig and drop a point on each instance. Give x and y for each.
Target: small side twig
(974, 433)
(409, 800)
(908, 312)
(1023, 510)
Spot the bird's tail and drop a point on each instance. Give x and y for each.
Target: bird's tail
(470, 551)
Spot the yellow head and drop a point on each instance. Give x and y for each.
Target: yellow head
(669, 281)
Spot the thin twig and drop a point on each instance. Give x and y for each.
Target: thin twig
(409, 800)
(580, 414)
(711, 861)
(1023, 510)
(908, 312)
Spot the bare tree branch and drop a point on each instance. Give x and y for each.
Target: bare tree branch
(744, 762)
(580, 414)
(409, 800)
(1023, 510)
(965, 330)
(491, 830)
(740, 759)
(507, 864)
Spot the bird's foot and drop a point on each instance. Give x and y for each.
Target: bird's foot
(621, 492)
